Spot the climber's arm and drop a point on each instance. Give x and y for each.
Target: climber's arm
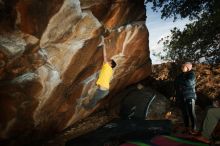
(104, 54)
(104, 50)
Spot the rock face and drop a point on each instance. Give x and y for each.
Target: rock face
(51, 52)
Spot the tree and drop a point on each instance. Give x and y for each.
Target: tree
(199, 39)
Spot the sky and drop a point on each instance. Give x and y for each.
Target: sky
(158, 29)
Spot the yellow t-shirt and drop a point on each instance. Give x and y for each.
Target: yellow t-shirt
(105, 76)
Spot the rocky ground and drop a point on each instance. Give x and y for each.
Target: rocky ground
(82, 127)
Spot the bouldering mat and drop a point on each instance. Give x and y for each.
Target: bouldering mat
(123, 129)
(175, 141)
(135, 143)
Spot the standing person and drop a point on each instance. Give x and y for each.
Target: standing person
(211, 120)
(186, 96)
(103, 82)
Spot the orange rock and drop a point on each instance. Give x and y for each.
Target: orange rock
(57, 54)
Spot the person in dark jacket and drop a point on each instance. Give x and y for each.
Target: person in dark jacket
(186, 96)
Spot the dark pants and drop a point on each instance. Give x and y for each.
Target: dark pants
(188, 113)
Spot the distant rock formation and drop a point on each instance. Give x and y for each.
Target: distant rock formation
(51, 52)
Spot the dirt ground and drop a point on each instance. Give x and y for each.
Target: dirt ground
(84, 126)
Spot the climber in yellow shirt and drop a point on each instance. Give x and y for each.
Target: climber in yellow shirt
(103, 82)
(105, 76)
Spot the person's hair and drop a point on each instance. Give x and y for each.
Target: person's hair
(113, 63)
(188, 63)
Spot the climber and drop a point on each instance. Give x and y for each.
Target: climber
(186, 96)
(103, 82)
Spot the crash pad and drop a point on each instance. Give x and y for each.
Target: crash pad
(135, 143)
(176, 141)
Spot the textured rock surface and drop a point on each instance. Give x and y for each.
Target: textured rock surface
(51, 52)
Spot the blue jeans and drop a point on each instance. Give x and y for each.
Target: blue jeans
(98, 95)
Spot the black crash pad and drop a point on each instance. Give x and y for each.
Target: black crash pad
(122, 129)
(135, 103)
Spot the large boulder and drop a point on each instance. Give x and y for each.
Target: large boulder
(51, 53)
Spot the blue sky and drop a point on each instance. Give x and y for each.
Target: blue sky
(159, 28)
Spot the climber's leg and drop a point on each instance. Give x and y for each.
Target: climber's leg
(99, 94)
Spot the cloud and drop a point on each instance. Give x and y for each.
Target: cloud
(159, 28)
